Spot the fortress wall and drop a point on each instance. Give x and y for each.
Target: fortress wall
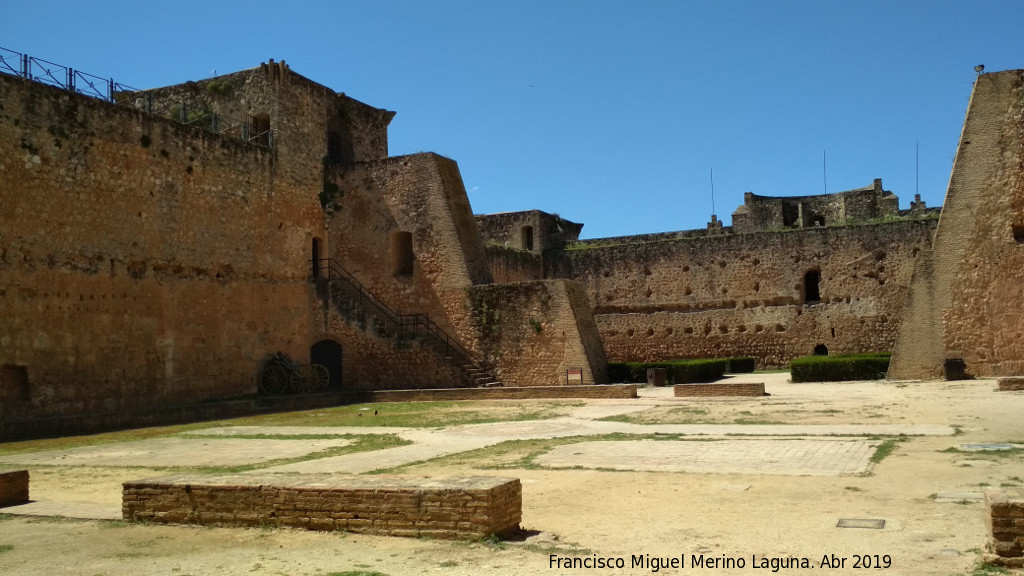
(513, 265)
(708, 296)
(533, 332)
(421, 195)
(973, 282)
(374, 362)
(142, 263)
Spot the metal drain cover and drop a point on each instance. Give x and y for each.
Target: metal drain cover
(870, 523)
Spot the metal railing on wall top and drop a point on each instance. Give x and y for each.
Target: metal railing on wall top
(45, 72)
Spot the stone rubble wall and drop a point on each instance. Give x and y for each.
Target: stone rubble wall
(143, 263)
(721, 389)
(1006, 528)
(450, 508)
(534, 332)
(966, 295)
(13, 487)
(743, 294)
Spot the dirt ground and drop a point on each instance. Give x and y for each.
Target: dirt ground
(926, 491)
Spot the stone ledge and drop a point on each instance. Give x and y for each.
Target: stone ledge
(1005, 526)
(721, 389)
(496, 393)
(453, 508)
(1010, 384)
(13, 487)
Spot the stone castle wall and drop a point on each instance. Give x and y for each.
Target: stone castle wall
(966, 293)
(746, 294)
(142, 262)
(534, 332)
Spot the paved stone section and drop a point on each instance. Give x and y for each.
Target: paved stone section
(430, 445)
(178, 452)
(754, 456)
(292, 430)
(63, 509)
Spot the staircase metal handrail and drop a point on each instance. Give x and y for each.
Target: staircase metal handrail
(403, 321)
(451, 344)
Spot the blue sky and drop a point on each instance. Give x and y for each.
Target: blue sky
(612, 114)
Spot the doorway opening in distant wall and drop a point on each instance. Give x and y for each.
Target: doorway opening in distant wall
(401, 254)
(316, 258)
(821, 350)
(527, 234)
(328, 353)
(261, 129)
(812, 291)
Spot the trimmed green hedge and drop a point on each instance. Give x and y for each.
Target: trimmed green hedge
(839, 368)
(741, 365)
(676, 371)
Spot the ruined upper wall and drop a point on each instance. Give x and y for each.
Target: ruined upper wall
(759, 213)
(310, 123)
(966, 294)
(531, 230)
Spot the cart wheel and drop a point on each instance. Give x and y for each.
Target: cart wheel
(310, 378)
(273, 380)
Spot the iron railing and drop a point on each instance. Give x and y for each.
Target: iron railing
(106, 89)
(409, 325)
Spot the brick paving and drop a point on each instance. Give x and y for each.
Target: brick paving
(797, 457)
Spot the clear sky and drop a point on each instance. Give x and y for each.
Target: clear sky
(613, 114)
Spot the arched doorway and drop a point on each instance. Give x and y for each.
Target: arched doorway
(328, 353)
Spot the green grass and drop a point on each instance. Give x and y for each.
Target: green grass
(986, 569)
(360, 443)
(520, 454)
(400, 414)
(886, 448)
(4, 548)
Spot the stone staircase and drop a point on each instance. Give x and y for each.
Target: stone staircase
(355, 304)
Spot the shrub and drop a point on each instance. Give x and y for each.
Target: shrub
(741, 365)
(839, 368)
(676, 371)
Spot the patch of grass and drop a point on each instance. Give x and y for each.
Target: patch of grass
(886, 448)
(410, 414)
(520, 454)
(4, 548)
(493, 541)
(853, 489)
(356, 573)
(448, 564)
(4, 517)
(987, 569)
(401, 414)
(361, 443)
(549, 549)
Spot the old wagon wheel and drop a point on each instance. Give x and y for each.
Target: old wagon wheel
(310, 378)
(273, 380)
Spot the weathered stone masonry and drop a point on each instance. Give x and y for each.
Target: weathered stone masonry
(694, 294)
(472, 507)
(148, 265)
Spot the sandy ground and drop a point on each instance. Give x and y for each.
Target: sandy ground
(614, 514)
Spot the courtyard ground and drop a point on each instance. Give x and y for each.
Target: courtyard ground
(726, 479)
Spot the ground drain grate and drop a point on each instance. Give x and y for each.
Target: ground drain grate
(870, 523)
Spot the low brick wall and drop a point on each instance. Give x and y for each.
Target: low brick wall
(456, 508)
(1005, 528)
(497, 393)
(722, 389)
(13, 487)
(1010, 384)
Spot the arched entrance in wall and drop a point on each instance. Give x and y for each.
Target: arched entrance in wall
(328, 353)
